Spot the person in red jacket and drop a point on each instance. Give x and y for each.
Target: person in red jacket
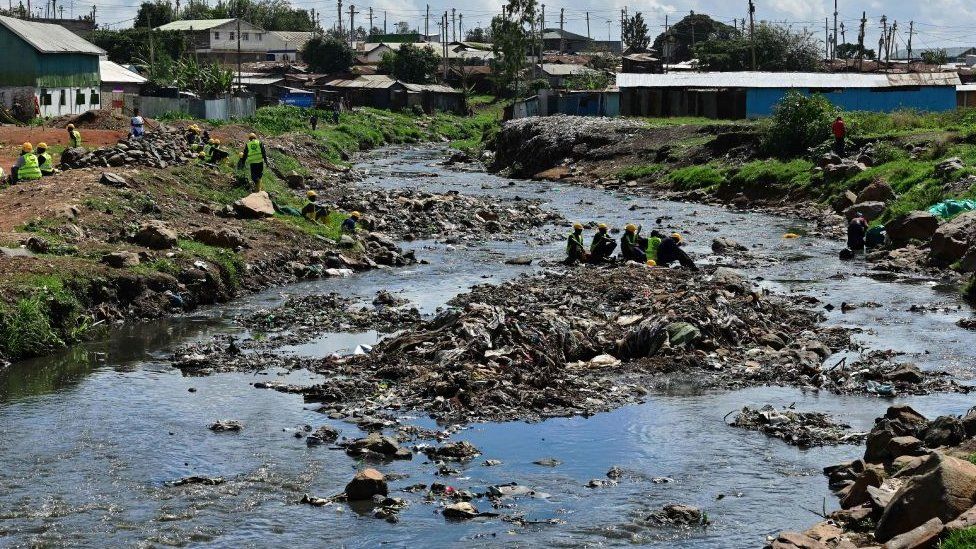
(840, 133)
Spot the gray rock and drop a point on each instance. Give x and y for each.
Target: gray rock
(254, 206)
(871, 210)
(121, 259)
(920, 225)
(221, 237)
(366, 484)
(878, 191)
(113, 180)
(156, 235)
(953, 239)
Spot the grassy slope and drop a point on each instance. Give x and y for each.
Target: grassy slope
(46, 310)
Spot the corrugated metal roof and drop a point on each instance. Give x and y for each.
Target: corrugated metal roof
(435, 88)
(563, 69)
(47, 38)
(260, 80)
(782, 80)
(295, 39)
(197, 24)
(966, 88)
(113, 73)
(366, 81)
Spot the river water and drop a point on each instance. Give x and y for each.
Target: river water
(90, 438)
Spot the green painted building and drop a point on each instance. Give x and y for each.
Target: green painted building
(47, 68)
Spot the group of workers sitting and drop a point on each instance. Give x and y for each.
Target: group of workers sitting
(316, 212)
(657, 249)
(205, 147)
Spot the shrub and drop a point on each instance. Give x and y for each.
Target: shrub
(798, 123)
(630, 173)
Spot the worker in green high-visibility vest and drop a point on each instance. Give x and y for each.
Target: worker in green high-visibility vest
(27, 167)
(74, 136)
(255, 157)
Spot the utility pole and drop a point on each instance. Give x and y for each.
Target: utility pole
(827, 38)
(666, 54)
(843, 33)
(444, 46)
(94, 9)
(833, 51)
(453, 24)
(911, 31)
(752, 32)
(384, 21)
(370, 30)
(427, 24)
(623, 23)
(883, 44)
(587, 25)
(352, 24)
(562, 39)
(609, 29)
(238, 48)
(339, 19)
(461, 26)
(891, 41)
(860, 41)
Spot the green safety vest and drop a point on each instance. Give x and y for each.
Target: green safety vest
(574, 242)
(630, 238)
(208, 152)
(31, 168)
(254, 155)
(75, 138)
(44, 162)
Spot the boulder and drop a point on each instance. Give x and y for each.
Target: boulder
(844, 201)
(944, 491)
(121, 259)
(254, 206)
(858, 492)
(918, 225)
(944, 431)
(878, 191)
(963, 521)
(378, 445)
(295, 180)
(15, 252)
(969, 424)
(951, 241)
(366, 484)
(906, 373)
(460, 511)
(925, 536)
(904, 446)
(796, 540)
(949, 166)
(870, 210)
(221, 237)
(722, 245)
(906, 415)
(156, 235)
(113, 180)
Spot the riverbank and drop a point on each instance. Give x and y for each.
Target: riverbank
(136, 237)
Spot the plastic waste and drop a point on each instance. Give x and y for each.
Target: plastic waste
(947, 209)
(881, 389)
(363, 349)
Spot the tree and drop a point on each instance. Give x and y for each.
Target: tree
(125, 45)
(411, 64)
(778, 49)
(401, 27)
(328, 54)
(267, 14)
(588, 81)
(479, 34)
(512, 36)
(153, 14)
(689, 32)
(853, 51)
(634, 33)
(935, 57)
(799, 122)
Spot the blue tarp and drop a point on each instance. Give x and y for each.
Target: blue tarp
(947, 209)
(297, 99)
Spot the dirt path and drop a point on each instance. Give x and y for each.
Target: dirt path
(12, 137)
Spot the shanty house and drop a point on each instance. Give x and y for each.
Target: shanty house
(286, 45)
(217, 40)
(382, 92)
(565, 41)
(558, 73)
(737, 95)
(47, 70)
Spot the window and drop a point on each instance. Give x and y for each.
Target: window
(64, 100)
(259, 36)
(245, 36)
(232, 36)
(80, 97)
(216, 35)
(96, 99)
(45, 98)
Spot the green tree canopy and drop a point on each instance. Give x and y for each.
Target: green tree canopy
(690, 31)
(479, 34)
(511, 38)
(411, 64)
(153, 14)
(635, 33)
(328, 54)
(126, 45)
(853, 51)
(778, 49)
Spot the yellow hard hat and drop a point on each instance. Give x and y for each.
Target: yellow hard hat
(631, 228)
(676, 236)
(651, 263)
(28, 147)
(42, 145)
(215, 141)
(240, 155)
(202, 155)
(71, 126)
(578, 226)
(602, 226)
(311, 194)
(252, 136)
(354, 215)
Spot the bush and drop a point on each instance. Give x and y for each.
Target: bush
(695, 177)
(638, 171)
(798, 123)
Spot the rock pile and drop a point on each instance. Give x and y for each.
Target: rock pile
(413, 214)
(914, 485)
(803, 429)
(158, 149)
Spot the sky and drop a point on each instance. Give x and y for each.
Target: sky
(938, 23)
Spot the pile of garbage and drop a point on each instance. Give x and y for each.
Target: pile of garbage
(156, 149)
(585, 340)
(302, 318)
(411, 214)
(802, 429)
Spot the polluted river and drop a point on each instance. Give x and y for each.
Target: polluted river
(94, 438)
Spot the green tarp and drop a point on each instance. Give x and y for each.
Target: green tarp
(947, 209)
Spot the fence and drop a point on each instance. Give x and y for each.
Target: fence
(211, 109)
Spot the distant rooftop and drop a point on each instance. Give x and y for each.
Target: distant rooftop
(47, 38)
(784, 80)
(194, 24)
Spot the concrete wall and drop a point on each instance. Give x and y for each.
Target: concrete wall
(760, 102)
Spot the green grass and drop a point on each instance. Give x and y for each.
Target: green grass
(687, 121)
(230, 263)
(287, 164)
(330, 228)
(47, 317)
(795, 173)
(696, 177)
(638, 171)
(960, 539)
(908, 122)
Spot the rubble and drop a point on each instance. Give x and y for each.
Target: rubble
(157, 149)
(803, 429)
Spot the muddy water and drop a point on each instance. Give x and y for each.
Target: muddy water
(89, 439)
